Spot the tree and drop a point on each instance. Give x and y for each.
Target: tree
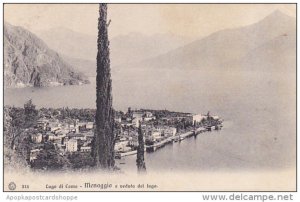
(22, 119)
(80, 160)
(49, 158)
(17, 123)
(104, 140)
(140, 160)
(12, 135)
(31, 114)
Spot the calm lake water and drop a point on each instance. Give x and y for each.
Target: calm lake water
(259, 111)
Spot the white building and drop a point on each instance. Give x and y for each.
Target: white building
(90, 125)
(76, 136)
(137, 114)
(123, 124)
(170, 131)
(149, 118)
(156, 135)
(120, 145)
(136, 122)
(42, 123)
(118, 119)
(71, 145)
(148, 115)
(33, 154)
(53, 137)
(53, 126)
(216, 117)
(37, 138)
(85, 149)
(198, 118)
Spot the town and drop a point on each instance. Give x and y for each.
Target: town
(63, 137)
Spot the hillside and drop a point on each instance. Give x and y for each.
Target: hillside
(70, 43)
(278, 54)
(29, 62)
(124, 49)
(225, 47)
(135, 47)
(88, 67)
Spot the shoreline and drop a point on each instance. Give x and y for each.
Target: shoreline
(172, 139)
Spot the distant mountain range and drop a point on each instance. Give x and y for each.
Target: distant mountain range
(134, 47)
(124, 48)
(70, 43)
(81, 49)
(267, 45)
(29, 62)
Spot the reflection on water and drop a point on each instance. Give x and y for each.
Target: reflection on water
(259, 109)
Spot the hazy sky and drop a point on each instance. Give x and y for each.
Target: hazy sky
(190, 20)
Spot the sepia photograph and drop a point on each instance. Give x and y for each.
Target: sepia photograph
(149, 97)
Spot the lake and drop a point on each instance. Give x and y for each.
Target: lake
(259, 109)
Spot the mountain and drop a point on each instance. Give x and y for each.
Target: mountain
(135, 47)
(232, 47)
(70, 43)
(124, 49)
(277, 54)
(29, 62)
(226, 49)
(88, 67)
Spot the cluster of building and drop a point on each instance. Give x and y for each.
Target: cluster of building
(76, 136)
(67, 136)
(198, 118)
(133, 118)
(127, 140)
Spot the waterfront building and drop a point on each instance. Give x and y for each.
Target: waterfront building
(133, 141)
(120, 145)
(156, 135)
(216, 117)
(198, 118)
(170, 131)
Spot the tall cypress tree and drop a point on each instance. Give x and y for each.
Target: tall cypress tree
(140, 160)
(104, 139)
